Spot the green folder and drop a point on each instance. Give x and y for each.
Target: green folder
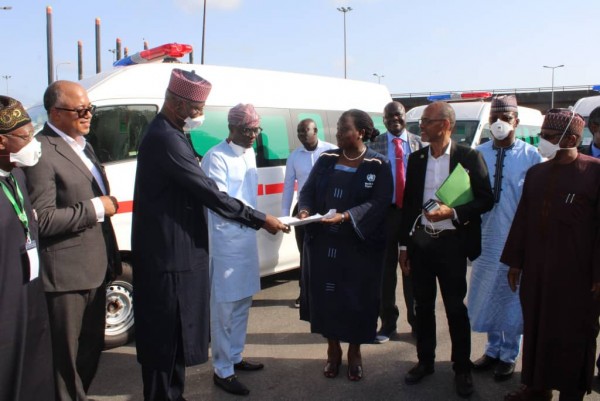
(456, 189)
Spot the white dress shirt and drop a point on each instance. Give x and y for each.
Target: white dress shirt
(437, 172)
(297, 168)
(78, 149)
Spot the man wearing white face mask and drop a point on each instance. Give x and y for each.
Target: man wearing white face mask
(169, 241)
(553, 248)
(493, 308)
(25, 349)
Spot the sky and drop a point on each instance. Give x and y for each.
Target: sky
(415, 46)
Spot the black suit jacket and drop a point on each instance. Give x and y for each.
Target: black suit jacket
(76, 251)
(469, 214)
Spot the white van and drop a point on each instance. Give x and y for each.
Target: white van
(128, 98)
(472, 127)
(584, 106)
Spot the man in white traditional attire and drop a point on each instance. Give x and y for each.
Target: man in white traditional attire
(493, 308)
(233, 250)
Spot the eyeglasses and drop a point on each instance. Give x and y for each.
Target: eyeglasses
(551, 137)
(426, 121)
(250, 132)
(25, 138)
(81, 111)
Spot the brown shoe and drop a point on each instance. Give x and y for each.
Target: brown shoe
(525, 393)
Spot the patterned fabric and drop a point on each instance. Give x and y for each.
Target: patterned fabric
(189, 86)
(12, 115)
(504, 103)
(564, 120)
(491, 303)
(243, 115)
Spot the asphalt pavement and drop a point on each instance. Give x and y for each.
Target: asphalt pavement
(294, 360)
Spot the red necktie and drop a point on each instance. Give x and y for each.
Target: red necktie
(400, 178)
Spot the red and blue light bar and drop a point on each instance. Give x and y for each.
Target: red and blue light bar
(155, 54)
(460, 96)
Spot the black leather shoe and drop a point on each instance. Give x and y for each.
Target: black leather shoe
(418, 372)
(248, 366)
(231, 384)
(485, 362)
(503, 370)
(464, 384)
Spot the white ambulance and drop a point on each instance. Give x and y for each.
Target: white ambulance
(128, 98)
(584, 106)
(472, 113)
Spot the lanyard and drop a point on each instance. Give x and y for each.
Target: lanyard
(18, 207)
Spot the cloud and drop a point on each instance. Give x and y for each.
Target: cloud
(196, 5)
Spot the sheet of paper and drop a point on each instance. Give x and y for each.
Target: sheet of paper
(293, 221)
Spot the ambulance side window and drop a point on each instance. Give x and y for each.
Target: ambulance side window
(116, 131)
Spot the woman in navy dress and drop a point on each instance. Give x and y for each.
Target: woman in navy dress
(343, 255)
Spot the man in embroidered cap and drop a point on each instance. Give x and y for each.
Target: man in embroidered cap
(170, 241)
(25, 348)
(493, 308)
(234, 268)
(71, 195)
(553, 250)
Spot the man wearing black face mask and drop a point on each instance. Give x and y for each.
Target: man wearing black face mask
(553, 248)
(170, 241)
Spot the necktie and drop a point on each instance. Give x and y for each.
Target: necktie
(400, 178)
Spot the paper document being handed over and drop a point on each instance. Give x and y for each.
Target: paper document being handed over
(293, 221)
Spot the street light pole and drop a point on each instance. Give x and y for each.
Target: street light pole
(7, 77)
(203, 32)
(344, 10)
(378, 77)
(552, 94)
(56, 68)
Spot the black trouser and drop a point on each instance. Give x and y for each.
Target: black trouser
(166, 383)
(388, 312)
(77, 320)
(299, 233)
(442, 258)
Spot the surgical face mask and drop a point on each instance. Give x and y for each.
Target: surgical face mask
(500, 129)
(548, 149)
(28, 155)
(192, 123)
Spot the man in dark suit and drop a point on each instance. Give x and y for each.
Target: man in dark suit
(70, 194)
(593, 149)
(169, 239)
(436, 244)
(396, 144)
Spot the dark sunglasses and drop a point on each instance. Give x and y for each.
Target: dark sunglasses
(81, 111)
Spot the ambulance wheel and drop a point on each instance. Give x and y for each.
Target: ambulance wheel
(119, 310)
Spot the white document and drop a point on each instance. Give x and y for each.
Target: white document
(293, 221)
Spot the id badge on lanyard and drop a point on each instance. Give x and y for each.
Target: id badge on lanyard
(34, 259)
(30, 245)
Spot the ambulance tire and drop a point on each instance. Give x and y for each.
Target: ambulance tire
(120, 327)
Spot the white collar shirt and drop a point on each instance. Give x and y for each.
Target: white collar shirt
(436, 173)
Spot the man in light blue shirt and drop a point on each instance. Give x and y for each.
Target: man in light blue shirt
(297, 168)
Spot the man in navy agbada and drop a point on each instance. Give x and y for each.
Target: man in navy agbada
(170, 241)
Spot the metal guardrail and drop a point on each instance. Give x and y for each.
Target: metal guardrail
(498, 91)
